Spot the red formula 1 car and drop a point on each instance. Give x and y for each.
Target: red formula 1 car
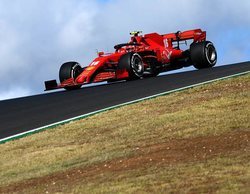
(142, 56)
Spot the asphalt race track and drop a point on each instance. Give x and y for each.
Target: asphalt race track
(23, 114)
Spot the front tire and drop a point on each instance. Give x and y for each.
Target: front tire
(133, 63)
(203, 54)
(70, 70)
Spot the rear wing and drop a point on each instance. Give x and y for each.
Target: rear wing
(196, 35)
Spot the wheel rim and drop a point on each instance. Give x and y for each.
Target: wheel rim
(76, 71)
(211, 54)
(137, 65)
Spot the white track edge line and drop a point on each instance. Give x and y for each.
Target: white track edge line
(116, 106)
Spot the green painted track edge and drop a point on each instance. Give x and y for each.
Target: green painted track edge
(53, 125)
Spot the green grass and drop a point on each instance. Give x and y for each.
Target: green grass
(204, 177)
(203, 112)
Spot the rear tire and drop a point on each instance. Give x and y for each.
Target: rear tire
(133, 63)
(70, 70)
(203, 54)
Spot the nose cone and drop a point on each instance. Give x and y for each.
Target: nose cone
(80, 79)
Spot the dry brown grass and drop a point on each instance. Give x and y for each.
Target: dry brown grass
(214, 110)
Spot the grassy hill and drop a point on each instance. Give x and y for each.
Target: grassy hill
(193, 141)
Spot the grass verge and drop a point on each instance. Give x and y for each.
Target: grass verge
(191, 141)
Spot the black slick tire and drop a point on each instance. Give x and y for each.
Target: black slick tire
(203, 54)
(70, 70)
(133, 63)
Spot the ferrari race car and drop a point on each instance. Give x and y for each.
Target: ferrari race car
(143, 56)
